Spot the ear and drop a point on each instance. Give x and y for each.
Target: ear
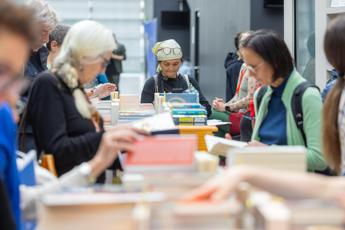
(54, 45)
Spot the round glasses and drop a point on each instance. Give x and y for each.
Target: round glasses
(253, 69)
(167, 50)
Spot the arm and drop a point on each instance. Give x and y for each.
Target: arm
(283, 183)
(120, 138)
(312, 113)
(203, 101)
(49, 123)
(148, 93)
(243, 103)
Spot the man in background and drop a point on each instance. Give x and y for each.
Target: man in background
(55, 41)
(114, 68)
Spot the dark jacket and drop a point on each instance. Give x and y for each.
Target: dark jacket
(233, 66)
(57, 125)
(176, 85)
(36, 64)
(115, 66)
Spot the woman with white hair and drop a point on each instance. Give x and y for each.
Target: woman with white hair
(64, 122)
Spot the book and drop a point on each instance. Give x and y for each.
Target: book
(26, 167)
(221, 146)
(156, 123)
(188, 112)
(277, 157)
(185, 105)
(129, 102)
(277, 213)
(162, 153)
(181, 97)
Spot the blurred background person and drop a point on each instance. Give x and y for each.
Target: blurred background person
(114, 69)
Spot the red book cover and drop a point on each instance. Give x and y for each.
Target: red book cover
(163, 150)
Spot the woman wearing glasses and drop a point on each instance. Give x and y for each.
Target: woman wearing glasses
(269, 61)
(64, 122)
(169, 56)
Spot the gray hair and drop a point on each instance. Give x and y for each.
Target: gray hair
(44, 13)
(58, 35)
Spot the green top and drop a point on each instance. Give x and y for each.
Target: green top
(312, 108)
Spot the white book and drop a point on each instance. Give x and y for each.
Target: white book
(162, 121)
(220, 146)
(276, 157)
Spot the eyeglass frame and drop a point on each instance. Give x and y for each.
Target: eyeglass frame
(254, 69)
(170, 50)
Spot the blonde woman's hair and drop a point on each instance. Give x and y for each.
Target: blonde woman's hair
(85, 40)
(44, 13)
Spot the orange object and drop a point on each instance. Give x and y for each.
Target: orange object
(166, 150)
(200, 131)
(48, 162)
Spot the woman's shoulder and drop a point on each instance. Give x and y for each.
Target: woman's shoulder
(47, 78)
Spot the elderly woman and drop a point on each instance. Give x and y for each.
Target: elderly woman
(169, 56)
(64, 122)
(17, 36)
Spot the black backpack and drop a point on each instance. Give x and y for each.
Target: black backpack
(297, 110)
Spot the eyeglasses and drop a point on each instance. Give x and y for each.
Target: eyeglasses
(167, 50)
(253, 69)
(106, 62)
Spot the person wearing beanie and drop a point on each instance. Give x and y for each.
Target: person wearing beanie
(169, 57)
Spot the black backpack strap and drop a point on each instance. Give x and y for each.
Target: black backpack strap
(260, 95)
(296, 105)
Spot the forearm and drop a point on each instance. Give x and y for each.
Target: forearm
(291, 184)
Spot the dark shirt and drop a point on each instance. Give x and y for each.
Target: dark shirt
(6, 217)
(273, 129)
(57, 125)
(173, 85)
(37, 63)
(233, 67)
(115, 66)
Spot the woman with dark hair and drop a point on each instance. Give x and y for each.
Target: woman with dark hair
(270, 62)
(292, 184)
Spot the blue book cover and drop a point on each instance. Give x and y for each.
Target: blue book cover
(181, 97)
(26, 168)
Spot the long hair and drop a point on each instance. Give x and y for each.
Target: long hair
(334, 46)
(85, 39)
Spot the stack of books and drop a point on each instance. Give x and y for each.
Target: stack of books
(188, 114)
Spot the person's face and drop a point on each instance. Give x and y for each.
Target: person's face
(54, 50)
(259, 69)
(44, 37)
(91, 68)
(13, 56)
(170, 67)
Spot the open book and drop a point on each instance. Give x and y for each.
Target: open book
(158, 124)
(220, 146)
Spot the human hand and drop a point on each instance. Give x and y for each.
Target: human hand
(104, 90)
(256, 144)
(220, 187)
(218, 104)
(113, 141)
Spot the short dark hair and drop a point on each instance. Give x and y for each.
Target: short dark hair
(58, 35)
(272, 48)
(237, 40)
(18, 19)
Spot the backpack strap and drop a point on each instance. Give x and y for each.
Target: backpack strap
(296, 105)
(187, 80)
(260, 95)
